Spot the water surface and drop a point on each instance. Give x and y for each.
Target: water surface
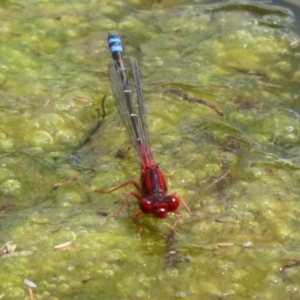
(238, 170)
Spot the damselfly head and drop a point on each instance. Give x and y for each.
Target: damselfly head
(159, 207)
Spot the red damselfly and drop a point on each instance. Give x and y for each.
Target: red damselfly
(125, 84)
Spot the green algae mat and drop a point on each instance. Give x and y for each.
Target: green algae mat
(221, 83)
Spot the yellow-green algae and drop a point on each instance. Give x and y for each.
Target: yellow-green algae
(238, 173)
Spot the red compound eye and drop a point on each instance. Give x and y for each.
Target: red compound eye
(173, 203)
(146, 206)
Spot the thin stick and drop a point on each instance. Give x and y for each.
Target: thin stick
(31, 294)
(218, 179)
(185, 96)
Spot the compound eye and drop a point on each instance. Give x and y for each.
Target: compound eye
(173, 203)
(160, 212)
(146, 206)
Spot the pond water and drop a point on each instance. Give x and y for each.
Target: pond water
(236, 160)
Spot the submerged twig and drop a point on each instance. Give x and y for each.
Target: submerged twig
(30, 294)
(30, 285)
(64, 246)
(64, 181)
(295, 43)
(249, 72)
(185, 96)
(218, 179)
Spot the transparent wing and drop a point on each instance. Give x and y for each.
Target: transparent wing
(141, 106)
(130, 103)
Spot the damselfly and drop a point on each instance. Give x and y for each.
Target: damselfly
(152, 192)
